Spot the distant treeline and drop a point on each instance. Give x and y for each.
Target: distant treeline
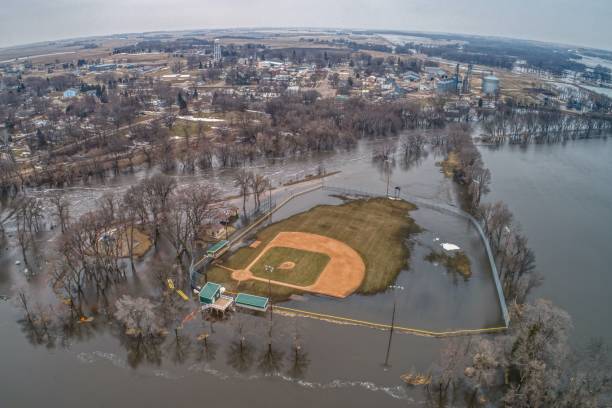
(355, 46)
(163, 46)
(525, 126)
(491, 53)
(498, 52)
(322, 56)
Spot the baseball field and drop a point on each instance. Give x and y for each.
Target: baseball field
(334, 250)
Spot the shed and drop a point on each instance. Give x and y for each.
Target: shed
(253, 302)
(210, 293)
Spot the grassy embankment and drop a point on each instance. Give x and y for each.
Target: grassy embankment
(308, 265)
(450, 164)
(375, 228)
(457, 262)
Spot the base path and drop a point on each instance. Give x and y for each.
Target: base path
(341, 276)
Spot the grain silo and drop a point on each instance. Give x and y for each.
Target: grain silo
(490, 85)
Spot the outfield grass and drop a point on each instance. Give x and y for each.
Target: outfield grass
(450, 164)
(376, 228)
(308, 265)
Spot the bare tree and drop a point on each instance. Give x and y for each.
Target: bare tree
(479, 185)
(483, 370)
(298, 358)
(527, 364)
(169, 119)
(28, 218)
(186, 218)
(187, 158)
(37, 322)
(128, 215)
(137, 315)
(240, 354)
(259, 184)
(156, 192)
(61, 208)
(242, 180)
(412, 144)
(10, 206)
(446, 374)
(497, 220)
(205, 154)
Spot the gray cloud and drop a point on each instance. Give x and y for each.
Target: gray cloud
(564, 21)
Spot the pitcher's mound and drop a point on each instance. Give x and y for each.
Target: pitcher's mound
(287, 265)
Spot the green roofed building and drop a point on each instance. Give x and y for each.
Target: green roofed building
(212, 298)
(210, 293)
(214, 250)
(252, 302)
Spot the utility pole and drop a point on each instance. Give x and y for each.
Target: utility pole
(394, 288)
(390, 334)
(269, 269)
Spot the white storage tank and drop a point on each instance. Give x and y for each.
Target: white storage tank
(490, 85)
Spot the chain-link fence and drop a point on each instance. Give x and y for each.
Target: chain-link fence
(423, 202)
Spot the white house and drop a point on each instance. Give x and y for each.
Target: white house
(70, 93)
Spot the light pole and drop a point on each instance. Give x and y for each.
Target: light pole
(269, 270)
(388, 171)
(270, 201)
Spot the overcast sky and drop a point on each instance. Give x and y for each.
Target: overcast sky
(580, 22)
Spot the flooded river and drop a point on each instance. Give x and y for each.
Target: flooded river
(342, 365)
(562, 197)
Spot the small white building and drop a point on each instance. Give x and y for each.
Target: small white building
(70, 93)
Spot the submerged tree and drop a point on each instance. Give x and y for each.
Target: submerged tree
(137, 315)
(527, 366)
(298, 359)
(259, 184)
(243, 182)
(28, 218)
(61, 210)
(241, 353)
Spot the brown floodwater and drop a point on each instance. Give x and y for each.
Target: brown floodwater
(341, 364)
